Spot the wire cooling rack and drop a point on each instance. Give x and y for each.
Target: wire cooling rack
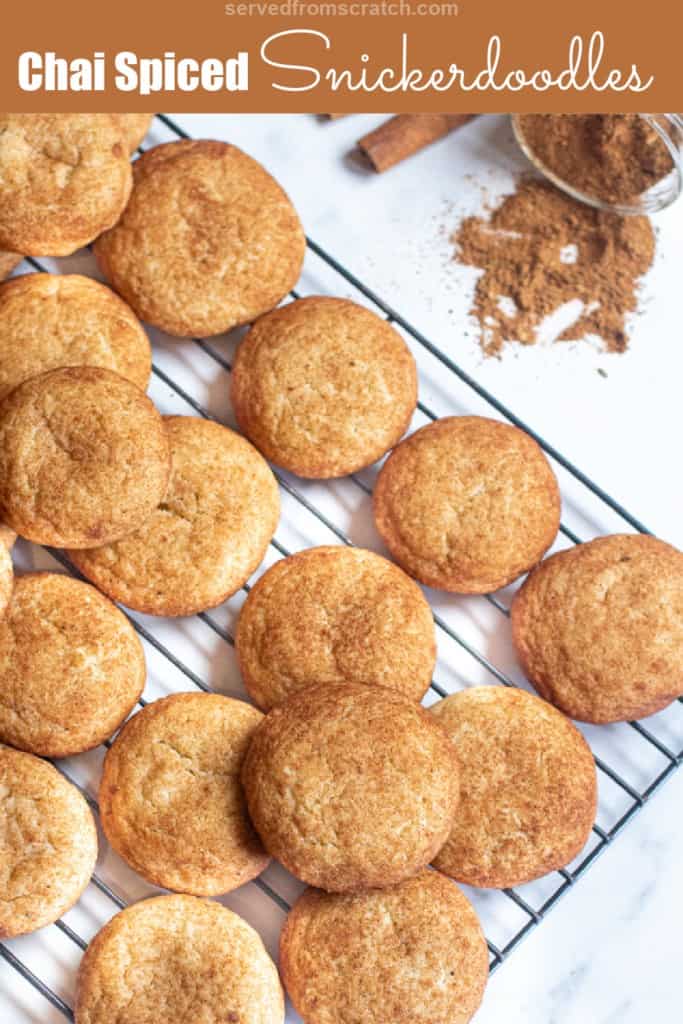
(633, 760)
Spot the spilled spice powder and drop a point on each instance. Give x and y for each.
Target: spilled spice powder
(612, 157)
(540, 250)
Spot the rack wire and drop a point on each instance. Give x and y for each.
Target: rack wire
(663, 740)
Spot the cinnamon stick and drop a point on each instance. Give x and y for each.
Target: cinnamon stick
(405, 134)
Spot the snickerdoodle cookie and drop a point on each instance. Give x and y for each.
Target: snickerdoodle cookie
(208, 240)
(7, 536)
(53, 320)
(135, 127)
(71, 666)
(323, 387)
(48, 843)
(598, 628)
(334, 615)
(84, 457)
(64, 178)
(6, 574)
(351, 787)
(207, 536)
(414, 952)
(8, 261)
(527, 787)
(171, 798)
(467, 504)
(178, 958)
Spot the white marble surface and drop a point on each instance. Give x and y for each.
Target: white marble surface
(608, 952)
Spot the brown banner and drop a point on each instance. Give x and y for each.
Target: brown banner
(469, 55)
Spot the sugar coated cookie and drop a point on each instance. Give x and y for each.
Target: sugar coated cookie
(52, 320)
(7, 536)
(71, 666)
(208, 240)
(64, 178)
(467, 504)
(171, 798)
(334, 615)
(135, 127)
(48, 843)
(414, 952)
(598, 628)
(351, 787)
(6, 575)
(528, 788)
(8, 262)
(178, 958)
(323, 387)
(84, 457)
(206, 537)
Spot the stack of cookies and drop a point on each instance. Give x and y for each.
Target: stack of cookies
(338, 772)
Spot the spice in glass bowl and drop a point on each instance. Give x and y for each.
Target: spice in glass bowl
(610, 159)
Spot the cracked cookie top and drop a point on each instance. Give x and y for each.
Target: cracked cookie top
(64, 178)
(414, 952)
(178, 958)
(351, 787)
(52, 320)
(171, 799)
(208, 240)
(599, 628)
(467, 504)
(48, 843)
(528, 788)
(323, 387)
(334, 615)
(57, 628)
(208, 534)
(84, 457)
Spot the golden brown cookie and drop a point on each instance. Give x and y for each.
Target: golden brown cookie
(351, 787)
(7, 536)
(84, 457)
(467, 504)
(64, 178)
(528, 789)
(171, 799)
(135, 127)
(53, 320)
(207, 536)
(182, 959)
(71, 666)
(334, 615)
(323, 387)
(414, 952)
(8, 261)
(6, 575)
(598, 628)
(208, 240)
(48, 843)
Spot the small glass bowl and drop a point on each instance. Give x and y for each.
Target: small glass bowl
(661, 195)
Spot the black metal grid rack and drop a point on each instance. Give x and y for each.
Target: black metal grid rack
(659, 745)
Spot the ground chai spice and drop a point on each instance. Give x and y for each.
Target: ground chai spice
(611, 157)
(539, 250)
